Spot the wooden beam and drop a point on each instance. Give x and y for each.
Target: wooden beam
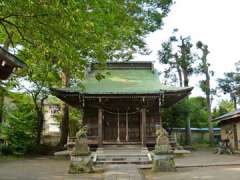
(143, 118)
(100, 134)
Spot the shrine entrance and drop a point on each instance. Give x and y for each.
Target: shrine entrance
(121, 127)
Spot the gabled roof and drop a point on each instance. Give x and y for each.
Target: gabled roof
(124, 78)
(124, 81)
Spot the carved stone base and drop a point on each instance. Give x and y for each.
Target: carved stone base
(80, 164)
(162, 149)
(163, 163)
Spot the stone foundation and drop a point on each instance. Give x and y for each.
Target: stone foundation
(163, 163)
(81, 160)
(80, 164)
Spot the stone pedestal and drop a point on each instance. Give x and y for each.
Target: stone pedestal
(81, 161)
(163, 163)
(80, 164)
(163, 158)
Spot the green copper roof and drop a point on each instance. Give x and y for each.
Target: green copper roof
(124, 81)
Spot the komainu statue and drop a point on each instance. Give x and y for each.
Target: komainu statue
(81, 161)
(162, 142)
(163, 159)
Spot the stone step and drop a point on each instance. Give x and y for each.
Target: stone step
(124, 162)
(123, 158)
(122, 155)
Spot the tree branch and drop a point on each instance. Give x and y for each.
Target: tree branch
(8, 33)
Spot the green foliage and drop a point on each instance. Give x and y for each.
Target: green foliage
(75, 32)
(230, 84)
(195, 108)
(5, 150)
(224, 107)
(75, 121)
(18, 129)
(177, 54)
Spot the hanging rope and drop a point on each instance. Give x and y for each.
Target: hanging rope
(118, 113)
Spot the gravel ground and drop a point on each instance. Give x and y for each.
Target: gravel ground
(44, 168)
(198, 173)
(49, 168)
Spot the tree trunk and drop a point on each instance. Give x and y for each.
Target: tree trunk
(185, 78)
(40, 119)
(208, 96)
(64, 127)
(234, 99)
(188, 122)
(179, 76)
(188, 140)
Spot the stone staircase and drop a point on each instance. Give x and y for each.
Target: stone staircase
(122, 154)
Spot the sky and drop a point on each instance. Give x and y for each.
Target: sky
(214, 22)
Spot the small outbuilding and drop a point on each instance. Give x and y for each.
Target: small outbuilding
(8, 62)
(230, 128)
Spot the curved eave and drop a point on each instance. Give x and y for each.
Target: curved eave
(168, 97)
(7, 64)
(10, 59)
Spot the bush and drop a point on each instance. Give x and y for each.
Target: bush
(19, 127)
(5, 150)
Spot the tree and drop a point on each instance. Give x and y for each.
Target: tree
(206, 86)
(177, 54)
(224, 107)
(230, 84)
(77, 32)
(37, 78)
(194, 107)
(19, 128)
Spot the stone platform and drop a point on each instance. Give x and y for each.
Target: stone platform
(122, 154)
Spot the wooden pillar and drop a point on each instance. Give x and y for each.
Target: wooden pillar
(143, 118)
(127, 126)
(118, 125)
(100, 135)
(159, 120)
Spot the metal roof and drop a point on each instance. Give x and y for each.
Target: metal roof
(228, 116)
(122, 80)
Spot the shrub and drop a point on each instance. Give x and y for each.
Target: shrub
(19, 127)
(5, 150)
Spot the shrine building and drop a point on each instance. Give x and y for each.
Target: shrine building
(124, 107)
